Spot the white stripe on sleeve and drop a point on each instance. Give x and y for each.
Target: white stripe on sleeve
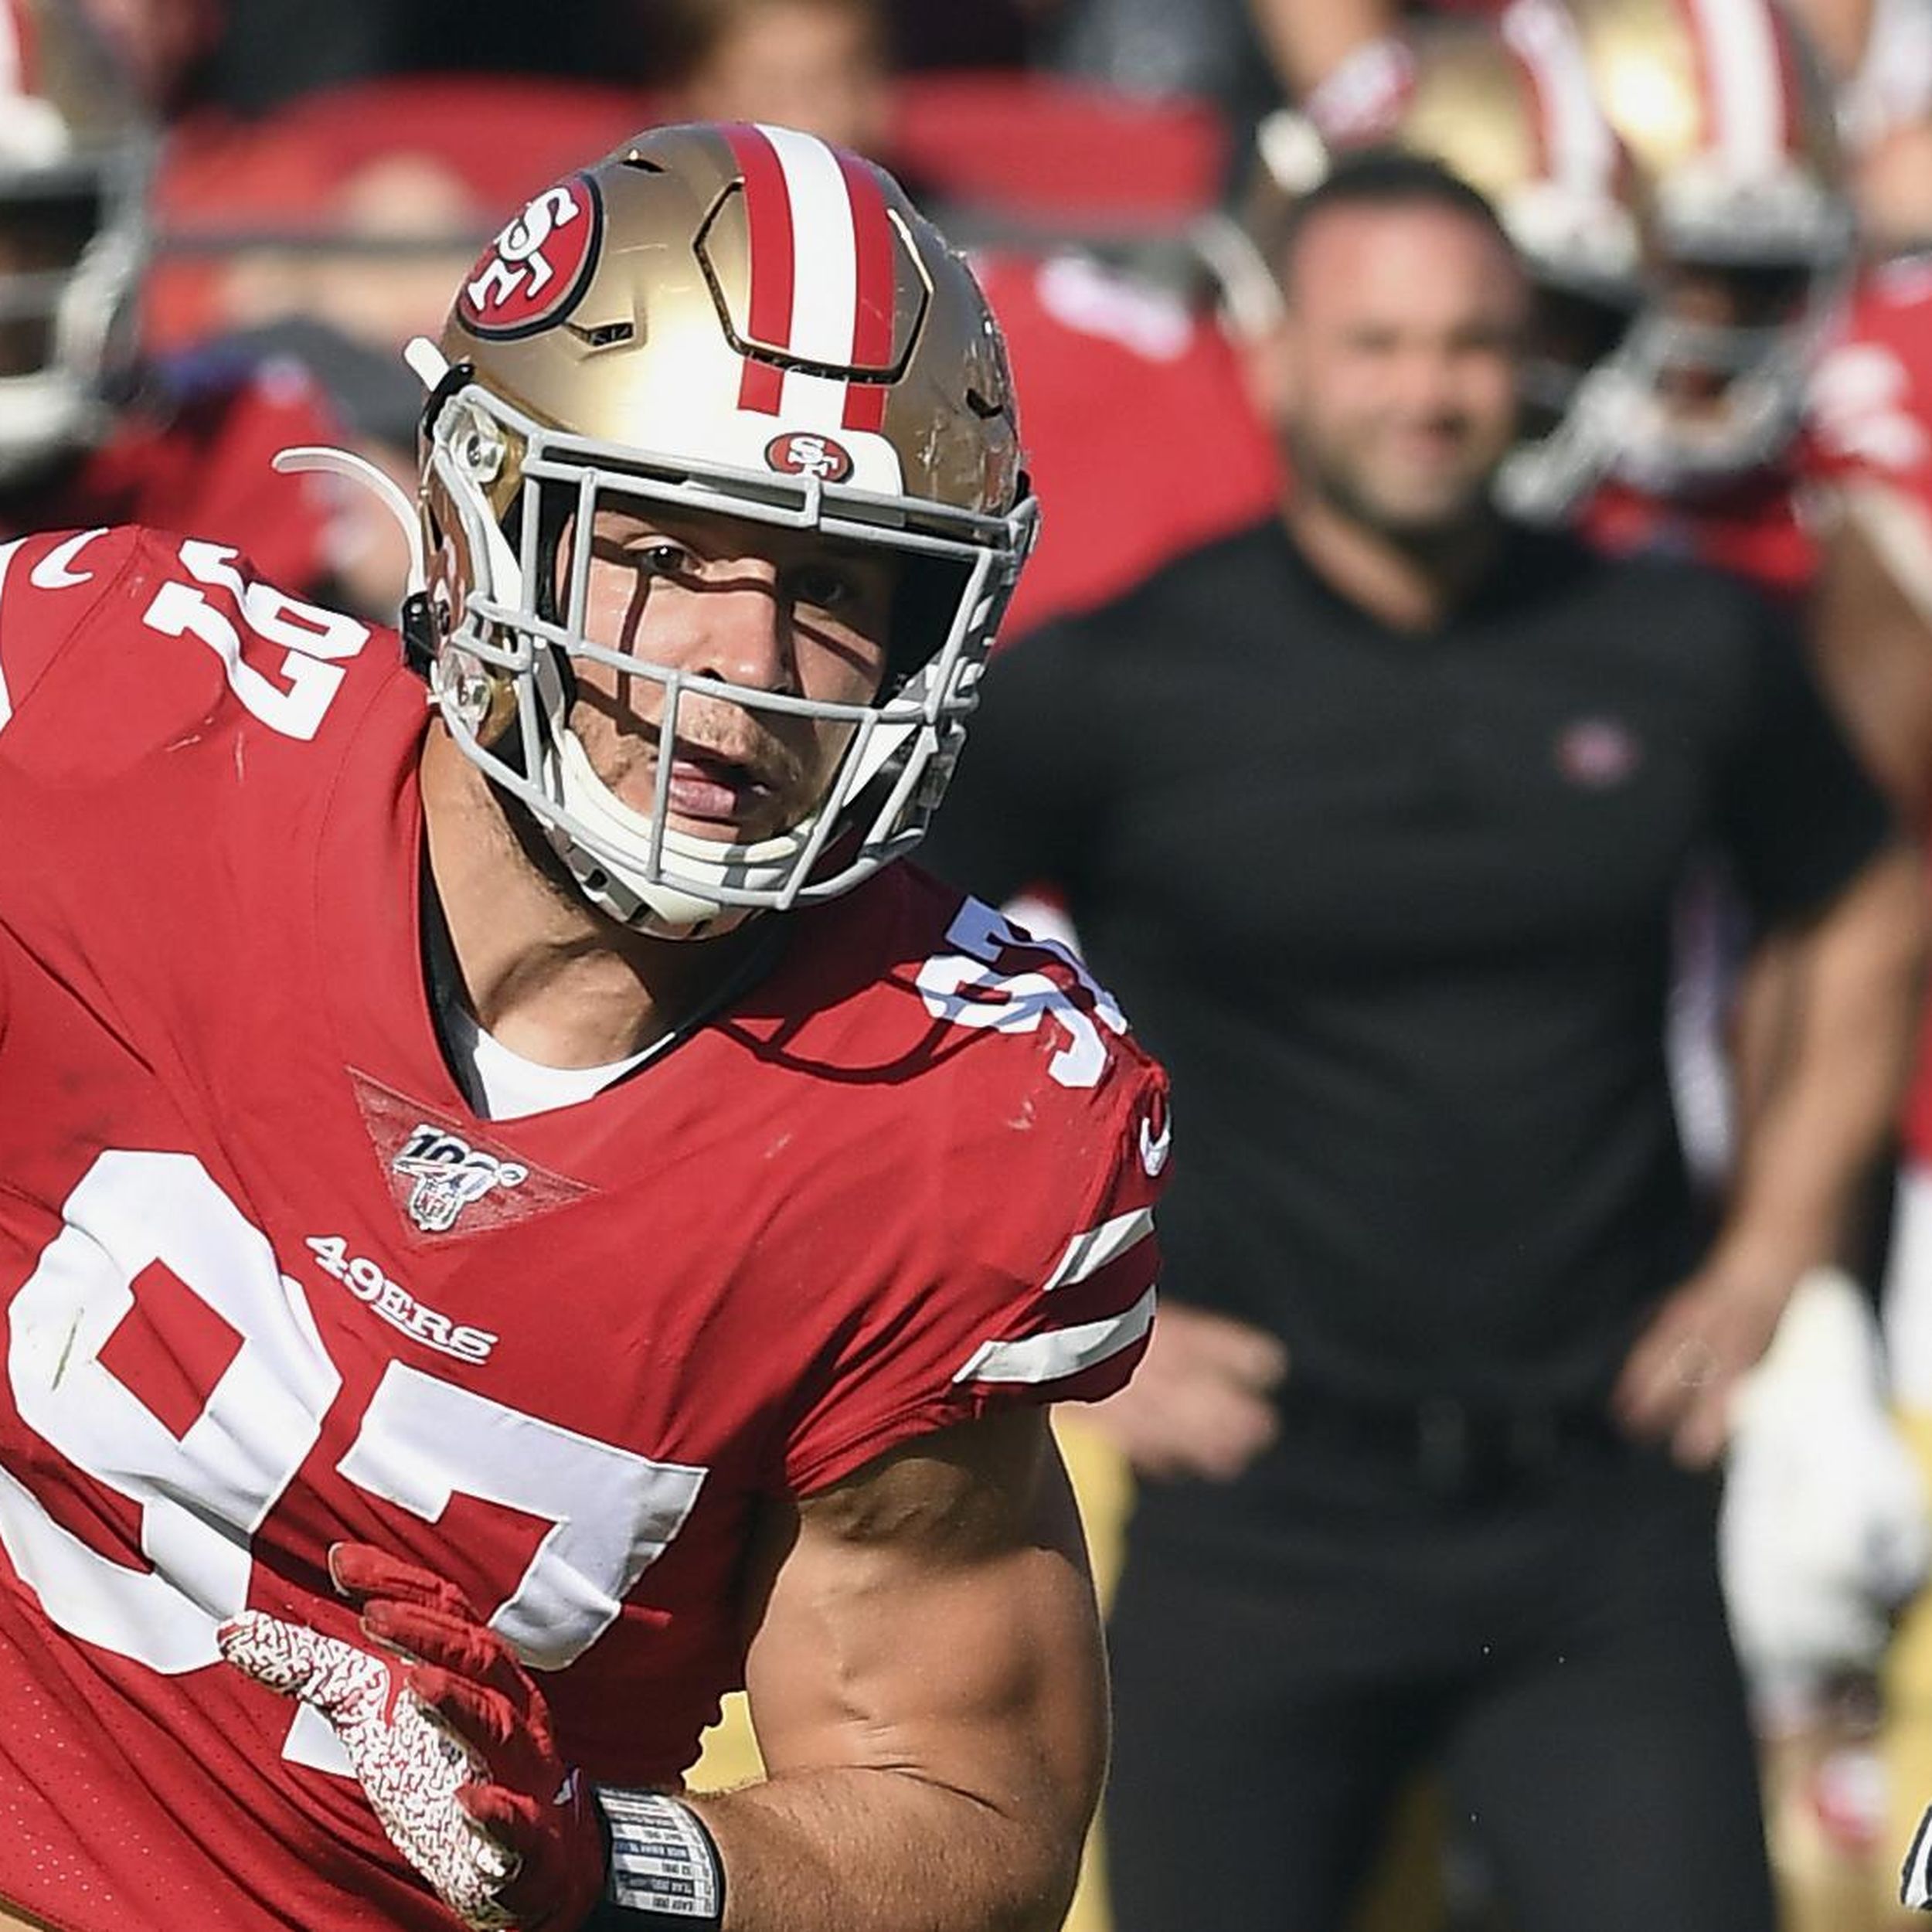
(1059, 1352)
(1087, 1254)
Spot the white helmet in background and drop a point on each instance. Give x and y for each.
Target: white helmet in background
(1728, 113)
(76, 157)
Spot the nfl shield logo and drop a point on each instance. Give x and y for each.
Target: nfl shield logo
(449, 1174)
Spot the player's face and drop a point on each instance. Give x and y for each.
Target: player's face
(1393, 376)
(1708, 302)
(737, 603)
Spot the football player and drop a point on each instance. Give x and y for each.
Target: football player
(530, 1216)
(88, 435)
(1731, 120)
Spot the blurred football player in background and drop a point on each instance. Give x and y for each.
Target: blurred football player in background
(535, 1165)
(89, 434)
(1730, 117)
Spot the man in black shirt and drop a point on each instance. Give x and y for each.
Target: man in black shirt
(1374, 818)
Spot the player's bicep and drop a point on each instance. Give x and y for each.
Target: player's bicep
(933, 1615)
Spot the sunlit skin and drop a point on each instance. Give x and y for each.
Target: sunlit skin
(545, 972)
(741, 603)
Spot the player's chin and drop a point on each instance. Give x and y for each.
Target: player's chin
(1418, 504)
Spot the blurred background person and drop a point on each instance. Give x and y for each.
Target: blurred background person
(1507, 106)
(92, 432)
(1385, 859)
(1692, 432)
(823, 66)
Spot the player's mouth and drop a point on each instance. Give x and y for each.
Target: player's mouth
(708, 788)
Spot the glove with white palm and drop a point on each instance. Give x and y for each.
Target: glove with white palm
(451, 1739)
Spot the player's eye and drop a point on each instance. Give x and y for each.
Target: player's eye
(823, 587)
(662, 558)
(646, 556)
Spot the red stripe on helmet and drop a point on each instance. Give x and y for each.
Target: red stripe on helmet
(864, 405)
(1790, 86)
(1708, 134)
(875, 255)
(26, 42)
(773, 254)
(761, 386)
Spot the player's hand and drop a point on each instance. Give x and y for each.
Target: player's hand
(1202, 1401)
(451, 1740)
(1681, 1376)
(1823, 1534)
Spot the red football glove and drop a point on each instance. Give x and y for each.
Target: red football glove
(475, 1795)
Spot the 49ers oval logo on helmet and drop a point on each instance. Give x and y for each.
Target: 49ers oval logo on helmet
(806, 453)
(533, 273)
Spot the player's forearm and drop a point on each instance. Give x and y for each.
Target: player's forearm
(1828, 1108)
(863, 1850)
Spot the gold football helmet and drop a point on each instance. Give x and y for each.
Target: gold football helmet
(1729, 115)
(1506, 105)
(76, 154)
(740, 320)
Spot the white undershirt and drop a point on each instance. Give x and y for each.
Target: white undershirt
(504, 1086)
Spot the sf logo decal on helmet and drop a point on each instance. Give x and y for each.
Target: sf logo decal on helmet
(804, 452)
(532, 273)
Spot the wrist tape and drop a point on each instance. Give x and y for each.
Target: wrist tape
(665, 1871)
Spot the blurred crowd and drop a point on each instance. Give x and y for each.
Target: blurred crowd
(221, 222)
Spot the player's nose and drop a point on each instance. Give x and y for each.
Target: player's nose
(745, 634)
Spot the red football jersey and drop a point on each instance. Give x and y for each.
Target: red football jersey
(1872, 412)
(270, 1283)
(1139, 437)
(1868, 421)
(1756, 527)
(202, 463)
(1871, 397)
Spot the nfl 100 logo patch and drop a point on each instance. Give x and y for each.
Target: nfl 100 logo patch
(448, 1173)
